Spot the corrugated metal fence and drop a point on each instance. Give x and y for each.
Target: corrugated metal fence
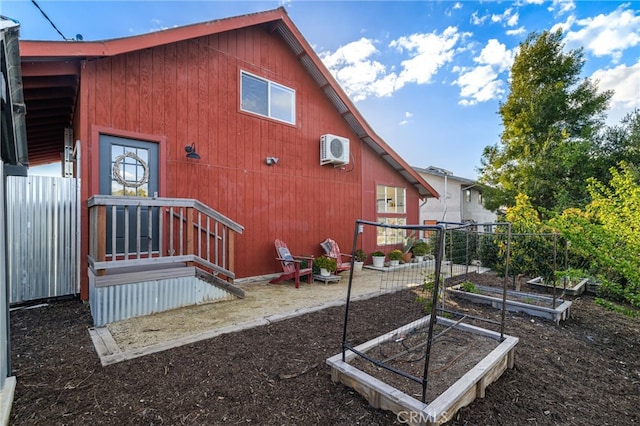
(43, 233)
(4, 307)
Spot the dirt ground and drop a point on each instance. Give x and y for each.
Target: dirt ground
(585, 371)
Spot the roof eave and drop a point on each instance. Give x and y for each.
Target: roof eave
(57, 49)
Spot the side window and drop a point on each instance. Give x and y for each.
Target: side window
(391, 201)
(263, 97)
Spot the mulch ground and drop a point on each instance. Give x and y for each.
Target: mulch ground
(585, 371)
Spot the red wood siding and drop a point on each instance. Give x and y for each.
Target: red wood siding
(188, 92)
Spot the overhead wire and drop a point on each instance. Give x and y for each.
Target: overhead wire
(48, 19)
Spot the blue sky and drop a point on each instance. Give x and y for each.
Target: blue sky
(428, 76)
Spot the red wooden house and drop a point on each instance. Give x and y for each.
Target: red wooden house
(201, 145)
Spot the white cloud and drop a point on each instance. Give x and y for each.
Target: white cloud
(564, 26)
(495, 53)
(479, 84)
(624, 81)
(517, 32)
(407, 116)
(478, 20)
(427, 54)
(562, 6)
(456, 6)
(359, 75)
(508, 18)
(607, 35)
(482, 83)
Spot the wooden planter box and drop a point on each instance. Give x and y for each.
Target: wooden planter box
(571, 290)
(592, 287)
(440, 410)
(517, 301)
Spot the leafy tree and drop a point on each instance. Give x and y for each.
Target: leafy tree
(550, 119)
(617, 144)
(607, 232)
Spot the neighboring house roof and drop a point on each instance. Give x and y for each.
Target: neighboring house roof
(64, 64)
(437, 171)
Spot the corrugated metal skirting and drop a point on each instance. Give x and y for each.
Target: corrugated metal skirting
(42, 233)
(124, 301)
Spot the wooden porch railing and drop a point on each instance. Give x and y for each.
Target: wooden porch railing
(139, 232)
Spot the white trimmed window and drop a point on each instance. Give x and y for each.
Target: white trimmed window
(266, 98)
(391, 236)
(391, 199)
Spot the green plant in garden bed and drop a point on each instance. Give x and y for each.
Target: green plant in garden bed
(428, 284)
(573, 276)
(468, 286)
(631, 313)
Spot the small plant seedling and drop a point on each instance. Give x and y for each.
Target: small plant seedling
(428, 284)
(469, 287)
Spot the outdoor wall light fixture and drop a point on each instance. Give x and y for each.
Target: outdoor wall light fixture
(191, 151)
(271, 160)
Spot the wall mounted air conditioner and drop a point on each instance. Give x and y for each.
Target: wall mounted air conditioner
(334, 150)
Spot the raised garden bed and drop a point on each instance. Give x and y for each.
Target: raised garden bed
(573, 288)
(517, 301)
(462, 368)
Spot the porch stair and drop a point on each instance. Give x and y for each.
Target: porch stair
(175, 253)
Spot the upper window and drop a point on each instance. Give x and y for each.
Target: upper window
(266, 98)
(467, 195)
(390, 199)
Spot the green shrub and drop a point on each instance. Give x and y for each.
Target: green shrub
(395, 255)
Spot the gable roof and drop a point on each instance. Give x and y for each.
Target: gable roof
(59, 62)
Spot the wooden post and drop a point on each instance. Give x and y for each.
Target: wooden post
(101, 237)
(232, 252)
(189, 224)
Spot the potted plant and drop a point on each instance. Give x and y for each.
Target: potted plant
(409, 241)
(378, 259)
(326, 264)
(419, 251)
(394, 257)
(359, 259)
